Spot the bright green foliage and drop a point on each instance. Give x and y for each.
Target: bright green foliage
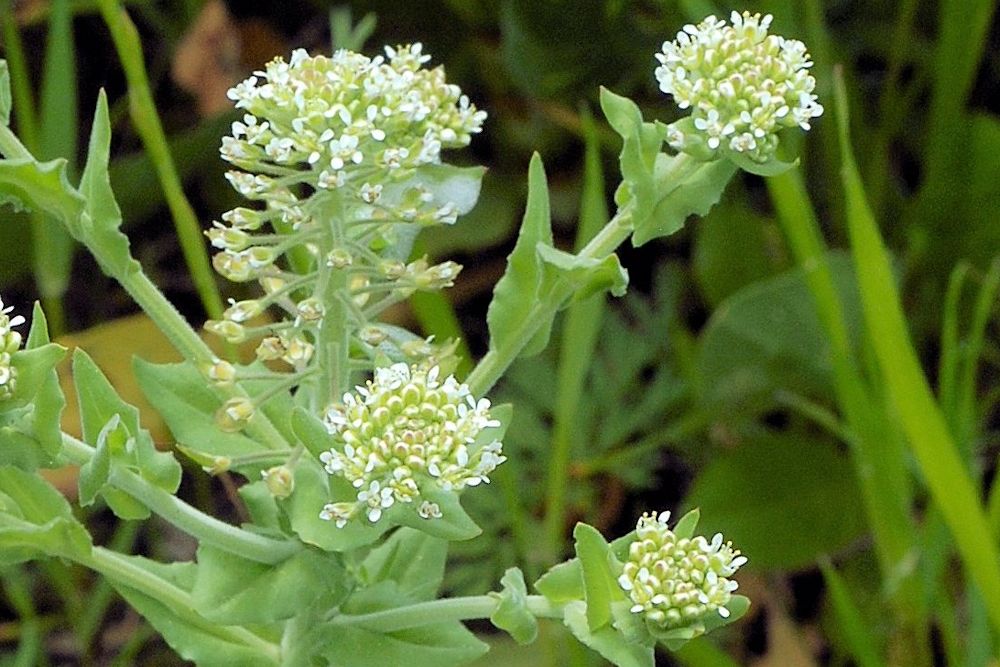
(512, 614)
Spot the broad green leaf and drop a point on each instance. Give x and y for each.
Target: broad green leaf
(733, 248)
(453, 524)
(512, 614)
(804, 485)
(314, 488)
(589, 276)
(40, 186)
(563, 582)
(6, 102)
(606, 641)
(261, 505)
(230, 590)
(192, 636)
(767, 337)
(599, 580)
(36, 520)
(412, 559)
(99, 404)
(34, 367)
(429, 645)
(99, 229)
(517, 291)
(183, 398)
(772, 167)
(682, 189)
(310, 431)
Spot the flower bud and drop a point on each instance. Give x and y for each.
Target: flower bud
(270, 349)
(241, 311)
(219, 371)
(373, 335)
(311, 309)
(234, 414)
(230, 331)
(279, 480)
(339, 258)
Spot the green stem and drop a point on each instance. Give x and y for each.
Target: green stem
(442, 611)
(147, 122)
(333, 350)
(123, 571)
(206, 529)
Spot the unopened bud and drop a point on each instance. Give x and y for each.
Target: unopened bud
(339, 258)
(219, 371)
(231, 331)
(311, 309)
(234, 414)
(241, 311)
(279, 480)
(373, 335)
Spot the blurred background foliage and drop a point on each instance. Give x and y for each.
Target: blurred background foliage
(708, 385)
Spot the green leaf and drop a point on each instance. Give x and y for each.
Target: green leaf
(429, 645)
(412, 559)
(767, 337)
(606, 641)
(772, 167)
(190, 635)
(640, 148)
(310, 431)
(34, 367)
(517, 291)
(803, 485)
(563, 582)
(40, 186)
(183, 398)
(453, 524)
(99, 229)
(130, 445)
(599, 580)
(35, 520)
(314, 488)
(6, 101)
(587, 274)
(512, 614)
(685, 526)
(230, 590)
(683, 188)
(854, 627)
(261, 505)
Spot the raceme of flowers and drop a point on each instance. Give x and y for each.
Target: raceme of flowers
(324, 150)
(404, 430)
(741, 84)
(675, 582)
(10, 342)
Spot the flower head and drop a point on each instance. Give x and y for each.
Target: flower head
(404, 431)
(347, 114)
(741, 84)
(10, 342)
(678, 582)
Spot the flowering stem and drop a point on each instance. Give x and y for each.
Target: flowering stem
(442, 611)
(333, 340)
(124, 571)
(204, 528)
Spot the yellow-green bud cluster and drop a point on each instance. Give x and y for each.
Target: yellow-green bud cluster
(675, 582)
(10, 342)
(405, 429)
(742, 85)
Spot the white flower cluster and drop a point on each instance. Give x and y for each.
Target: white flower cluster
(405, 429)
(741, 84)
(10, 342)
(324, 138)
(678, 582)
(334, 121)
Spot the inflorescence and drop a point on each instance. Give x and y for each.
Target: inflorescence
(742, 85)
(328, 152)
(10, 342)
(675, 582)
(404, 430)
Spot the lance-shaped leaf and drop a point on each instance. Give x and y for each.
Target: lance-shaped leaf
(411, 558)
(601, 587)
(606, 641)
(6, 101)
(517, 291)
(99, 228)
(641, 145)
(27, 184)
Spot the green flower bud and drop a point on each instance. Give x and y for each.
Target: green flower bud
(279, 480)
(234, 414)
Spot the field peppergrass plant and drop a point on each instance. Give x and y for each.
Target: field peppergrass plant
(380, 473)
